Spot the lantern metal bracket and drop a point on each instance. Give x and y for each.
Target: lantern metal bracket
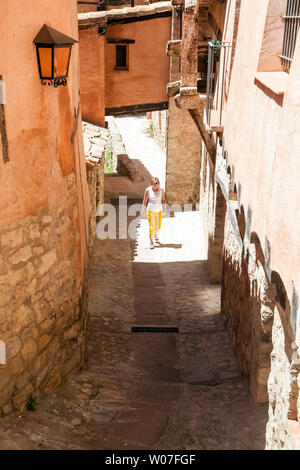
(56, 82)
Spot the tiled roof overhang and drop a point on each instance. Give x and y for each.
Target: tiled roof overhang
(124, 15)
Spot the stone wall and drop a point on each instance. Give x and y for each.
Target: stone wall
(95, 179)
(280, 383)
(160, 121)
(247, 305)
(207, 196)
(236, 261)
(256, 310)
(183, 157)
(255, 306)
(41, 318)
(216, 237)
(96, 139)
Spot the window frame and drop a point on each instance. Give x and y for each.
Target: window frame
(291, 30)
(116, 67)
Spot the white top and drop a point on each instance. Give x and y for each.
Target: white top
(154, 200)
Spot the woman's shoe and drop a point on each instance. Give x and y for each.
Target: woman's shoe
(152, 245)
(156, 240)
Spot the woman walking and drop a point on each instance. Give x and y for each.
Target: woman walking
(155, 197)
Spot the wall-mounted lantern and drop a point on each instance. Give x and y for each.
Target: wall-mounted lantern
(53, 51)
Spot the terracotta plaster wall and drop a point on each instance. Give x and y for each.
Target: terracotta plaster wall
(44, 209)
(148, 74)
(262, 141)
(92, 75)
(86, 8)
(39, 119)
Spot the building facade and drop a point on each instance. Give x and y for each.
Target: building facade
(242, 167)
(44, 208)
(124, 67)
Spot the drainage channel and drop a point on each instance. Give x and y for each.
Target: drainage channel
(154, 329)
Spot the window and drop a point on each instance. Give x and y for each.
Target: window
(121, 57)
(291, 28)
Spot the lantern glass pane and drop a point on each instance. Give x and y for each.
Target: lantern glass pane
(45, 56)
(61, 60)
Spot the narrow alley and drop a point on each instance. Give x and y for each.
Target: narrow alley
(134, 135)
(149, 390)
(149, 226)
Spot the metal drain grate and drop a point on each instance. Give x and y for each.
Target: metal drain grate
(154, 329)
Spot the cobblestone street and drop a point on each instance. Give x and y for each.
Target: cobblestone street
(149, 390)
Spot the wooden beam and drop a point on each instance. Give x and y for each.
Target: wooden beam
(174, 48)
(210, 3)
(173, 88)
(120, 41)
(155, 16)
(3, 134)
(204, 134)
(136, 109)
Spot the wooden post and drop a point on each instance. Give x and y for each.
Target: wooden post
(3, 128)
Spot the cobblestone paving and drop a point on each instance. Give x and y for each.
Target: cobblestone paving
(144, 390)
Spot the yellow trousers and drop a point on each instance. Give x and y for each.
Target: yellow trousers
(154, 219)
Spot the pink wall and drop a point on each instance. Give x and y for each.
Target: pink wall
(39, 119)
(263, 140)
(148, 74)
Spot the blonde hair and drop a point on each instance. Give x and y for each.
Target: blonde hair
(155, 180)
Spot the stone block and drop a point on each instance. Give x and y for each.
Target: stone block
(46, 325)
(13, 346)
(43, 309)
(4, 379)
(22, 275)
(7, 408)
(72, 362)
(54, 381)
(6, 293)
(73, 332)
(23, 380)
(3, 266)
(47, 219)
(22, 255)
(44, 238)
(38, 250)
(6, 392)
(34, 232)
(13, 239)
(41, 376)
(29, 351)
(53, 347)
(47, 261)
(17, 365)
(19, 400)
(44, 340)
